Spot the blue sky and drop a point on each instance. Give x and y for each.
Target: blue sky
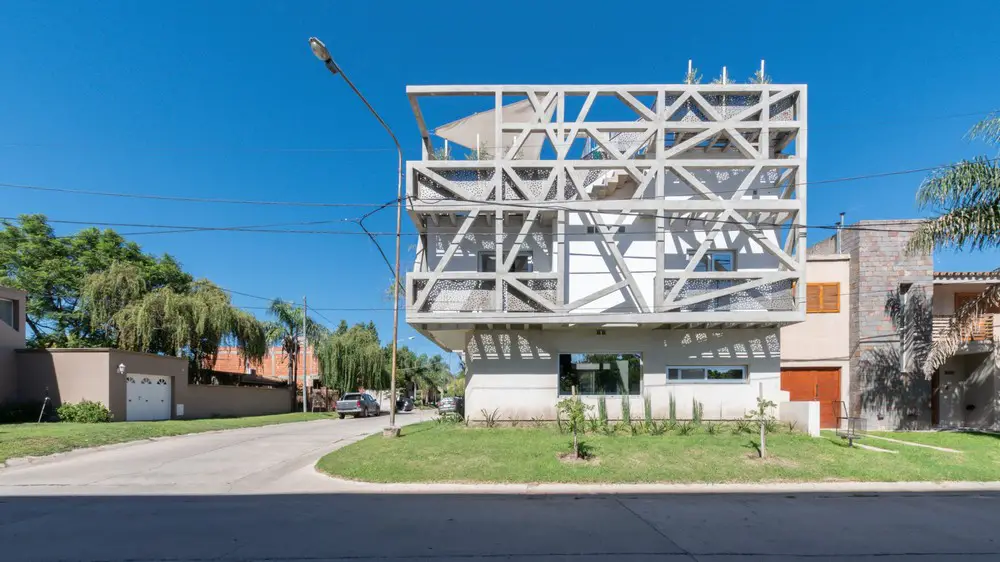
(224, 99)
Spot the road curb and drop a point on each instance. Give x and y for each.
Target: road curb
(352, 486)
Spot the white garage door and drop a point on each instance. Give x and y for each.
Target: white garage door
(148, 397)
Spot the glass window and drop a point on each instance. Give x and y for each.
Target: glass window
(7, 313)
(522, 263)
(600, 374)
(716, 260)
(725, 373)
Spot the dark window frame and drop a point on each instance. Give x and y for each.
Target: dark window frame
(706, 379)
(561, 391)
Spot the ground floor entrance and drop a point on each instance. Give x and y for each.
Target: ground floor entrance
(815, 384)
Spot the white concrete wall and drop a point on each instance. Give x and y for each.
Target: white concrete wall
(517, 372)
(804, 414)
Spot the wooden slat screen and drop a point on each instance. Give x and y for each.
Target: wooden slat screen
(823, 297)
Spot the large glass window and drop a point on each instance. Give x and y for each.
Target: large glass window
(8, 313)
(715, 373)
(522, 263)
(716, 260)
(600, 374)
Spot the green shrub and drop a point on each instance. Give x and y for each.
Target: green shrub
(491, 419)
(673, 409)
(576, 414)
(685, 428)
(84, 412)
(626, 410)
(712, 428)
(647, 411)
(697, 409)
(658, 428)
(602, 411)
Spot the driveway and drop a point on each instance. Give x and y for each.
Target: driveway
(269, 459)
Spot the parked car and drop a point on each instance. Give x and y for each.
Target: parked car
(358, 404)
(404, 404)
(451, 405)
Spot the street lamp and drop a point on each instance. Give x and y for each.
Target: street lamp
(323, 54)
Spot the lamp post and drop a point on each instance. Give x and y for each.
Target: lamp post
(323, 54)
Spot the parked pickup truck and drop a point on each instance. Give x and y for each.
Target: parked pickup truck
(358, 404)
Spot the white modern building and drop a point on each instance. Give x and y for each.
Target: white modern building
(638, 240)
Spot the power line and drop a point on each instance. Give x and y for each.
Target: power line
(184, 199)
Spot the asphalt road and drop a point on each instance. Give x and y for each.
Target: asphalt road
(252, 495)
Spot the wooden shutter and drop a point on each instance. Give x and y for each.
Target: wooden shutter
(822, 297)
(813, 297)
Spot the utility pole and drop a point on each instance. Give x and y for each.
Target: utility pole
(305, 356)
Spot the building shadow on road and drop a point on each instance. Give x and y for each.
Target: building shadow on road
(431, 527)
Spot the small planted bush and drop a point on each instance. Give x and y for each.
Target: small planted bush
(673, 409)
(491, 419)
(626, 410)
(602, 411)
(576, 413)
(84, 412)
(697, 409)
(647, 412)
(685, 428)
(712, 428)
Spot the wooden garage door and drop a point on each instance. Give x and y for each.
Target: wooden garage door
(822, 385)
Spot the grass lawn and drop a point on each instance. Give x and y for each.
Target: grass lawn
(432, 452)
(30, 439)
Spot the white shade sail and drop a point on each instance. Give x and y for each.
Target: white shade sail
(480, 126)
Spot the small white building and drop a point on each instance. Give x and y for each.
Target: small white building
(638, 240)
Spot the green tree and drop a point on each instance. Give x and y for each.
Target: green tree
(965, 199)
(286, 331)
(133, 312)
(52, 269)
(353, 358)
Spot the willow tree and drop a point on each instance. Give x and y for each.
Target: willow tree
(965, 197)
(192, 321)
(353, 358)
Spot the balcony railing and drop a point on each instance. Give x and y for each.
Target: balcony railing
(982, 333)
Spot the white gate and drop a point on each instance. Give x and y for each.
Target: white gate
(148, 397)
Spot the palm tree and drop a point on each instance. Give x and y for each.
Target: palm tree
(965, 197)
(285, 331)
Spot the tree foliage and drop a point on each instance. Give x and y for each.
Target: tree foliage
(353, 358)
(285, 331)
(965, 197)
(52, 270)
(191, 320)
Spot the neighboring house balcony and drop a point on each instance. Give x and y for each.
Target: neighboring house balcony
(610, 205)
(980, 339)
(952, 290)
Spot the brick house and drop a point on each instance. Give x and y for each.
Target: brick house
(274, 366)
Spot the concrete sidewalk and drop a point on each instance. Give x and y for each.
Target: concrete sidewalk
(335, 485)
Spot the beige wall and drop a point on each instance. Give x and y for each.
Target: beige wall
(11, 340)
(68, 375)
(72, 375)
(823, 340)
(206, 401)
(141, 364)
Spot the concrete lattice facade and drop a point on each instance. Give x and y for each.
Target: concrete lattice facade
(649, 219)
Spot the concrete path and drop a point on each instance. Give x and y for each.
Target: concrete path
(269, 459)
